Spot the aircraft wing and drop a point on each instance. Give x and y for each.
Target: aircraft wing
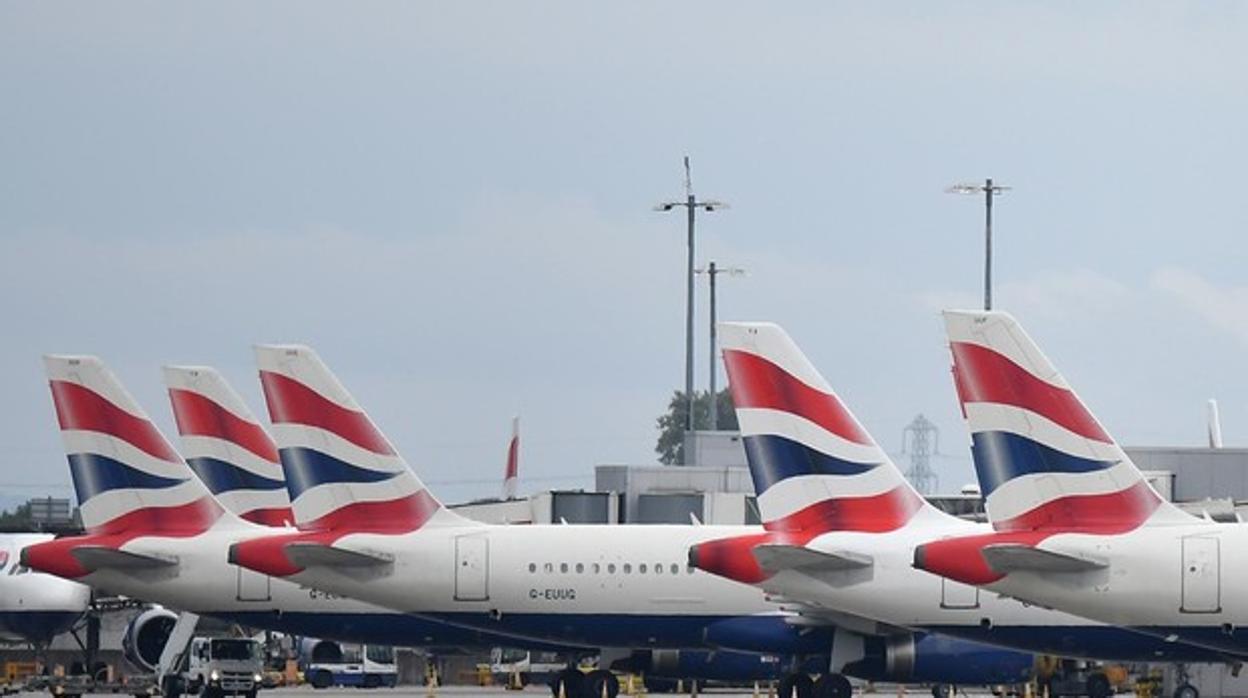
(306, 554)
(95, 557)
(777, 557)
(1012, 557)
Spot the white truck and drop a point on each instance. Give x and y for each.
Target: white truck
(220, 666)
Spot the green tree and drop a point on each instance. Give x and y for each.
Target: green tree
(18, 518)
(671, 424)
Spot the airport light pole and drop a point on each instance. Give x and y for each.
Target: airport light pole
(711, 272)
(990, 191)
(691, 205)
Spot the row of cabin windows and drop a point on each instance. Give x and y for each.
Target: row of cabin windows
(596, 568)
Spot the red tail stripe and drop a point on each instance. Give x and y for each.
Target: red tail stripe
(983, 375)
(84, 409)
(1105, 514)
(185, 521)
(872, 514)
(513, 450)
(197, 415)
(962, 559)
(277, 517)
(759, 383)
(394, 516)
(292, 402)
(268, 555)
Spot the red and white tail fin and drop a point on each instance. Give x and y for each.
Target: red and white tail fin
(1043, 459)
(511, 473)
(127, 477)
(341, 472)
(814, 467)
(227, 447)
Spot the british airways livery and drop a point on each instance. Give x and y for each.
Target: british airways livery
(1077, 526)
(841, 521)
(370, 529)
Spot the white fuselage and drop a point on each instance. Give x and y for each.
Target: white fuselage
(558, 581)
(33, 605)
(1173, 580)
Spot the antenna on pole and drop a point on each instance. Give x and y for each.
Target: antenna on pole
(688, 179)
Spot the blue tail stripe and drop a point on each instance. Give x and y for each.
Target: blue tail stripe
(774, 458)
(94, 474)
(221, 476)
(306, 468)
(1001, 456)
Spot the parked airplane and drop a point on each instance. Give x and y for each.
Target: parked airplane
(1078, 527)
(35, 607)
(370, 529)
(156, 533)
(842, 522)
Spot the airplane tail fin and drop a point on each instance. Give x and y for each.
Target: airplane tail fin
(227, 447)
(126, 475)
(511, 473)
(814, 467)
(1043, 459)
(341, 472)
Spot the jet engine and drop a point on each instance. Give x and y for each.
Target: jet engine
(146, 635)
(938, 658)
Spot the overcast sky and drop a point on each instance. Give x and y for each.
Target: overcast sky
(451, 202)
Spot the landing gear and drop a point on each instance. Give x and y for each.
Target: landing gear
(1098, 686)
(796, 686)
(1186, 690)
(569, 683)
(602, 683)
(944, 690)
(833, 686)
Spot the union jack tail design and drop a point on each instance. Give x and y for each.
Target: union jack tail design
(341, 472)
(226, 447)
(511, 473)
(815, 468)
(1043, 460)
(128, 479)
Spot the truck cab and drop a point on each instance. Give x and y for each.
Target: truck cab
(221, 666)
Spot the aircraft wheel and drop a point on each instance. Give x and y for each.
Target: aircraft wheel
(944, 690)
(1098, 686)
(600, 679)
(569, 682)
(795, 686)
(833, 686)
(1186, 690)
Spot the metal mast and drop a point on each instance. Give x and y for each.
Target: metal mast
(990, 191)
(923, 439)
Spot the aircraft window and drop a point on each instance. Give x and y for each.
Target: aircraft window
(641, 569)
(610, 568)
(675, 568)
(563, 567)
(532, 567)
(597, 568)
(658, 568)
(689, 569)
(580, 567)
(548, 567)
(628, 568)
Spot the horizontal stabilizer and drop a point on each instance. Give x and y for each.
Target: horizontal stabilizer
(1012, 557)
(321, 555)
(775, 558)
(95, 557)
